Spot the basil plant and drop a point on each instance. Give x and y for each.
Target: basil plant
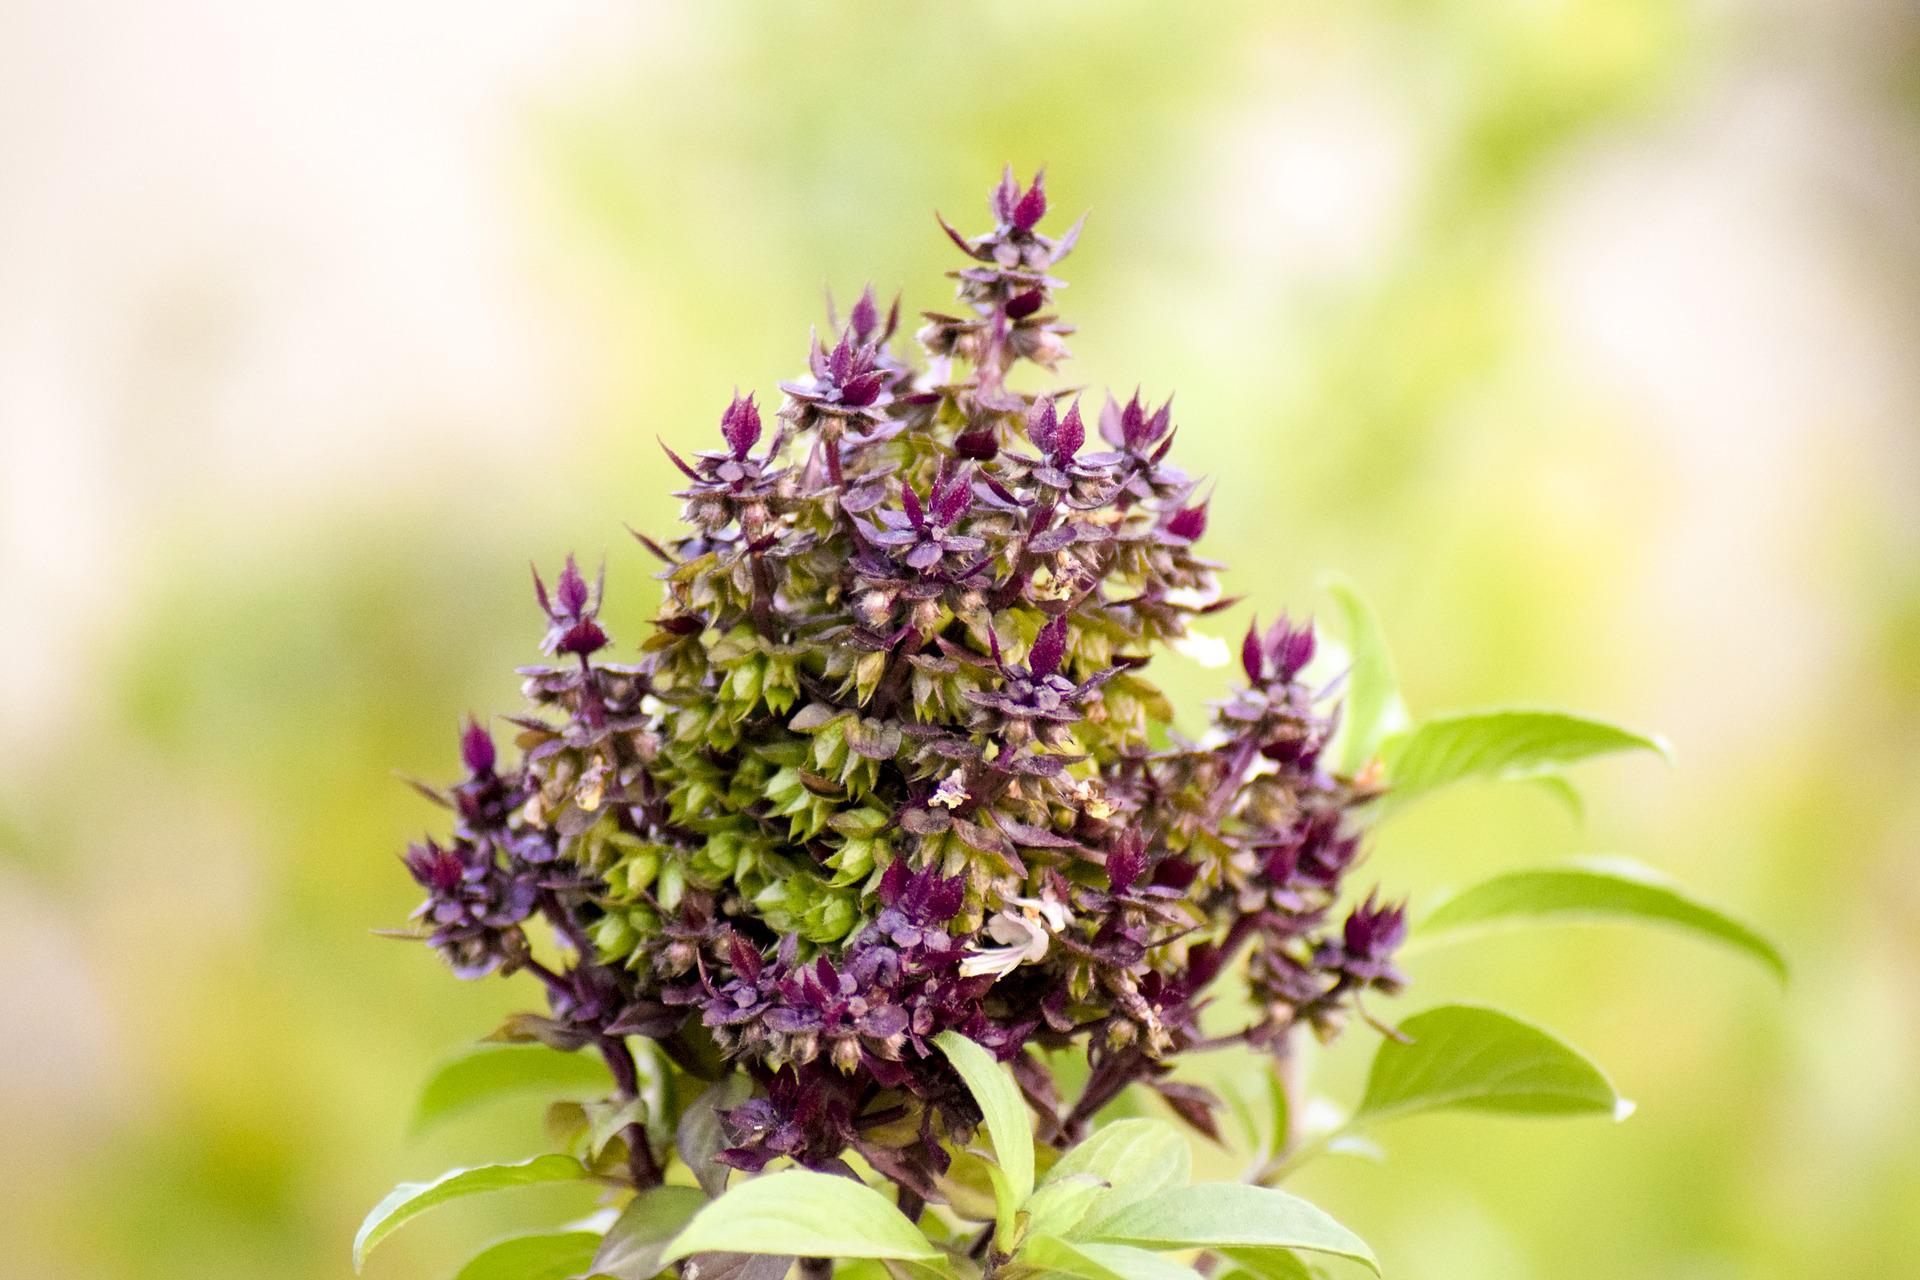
(872, 895)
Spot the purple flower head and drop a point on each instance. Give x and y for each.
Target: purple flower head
(1132, 428)
(1188, 523)
(922, 897)
(865, 322)
(850, 380)
(476, 749)
(847, 371)
(823, 818)
(571, 611)
(1018, 209)
(1022, 305)
(484, 802)
(740, 426)
(1374, 931)
(1368, 940)
(1058, 438)
(441, 871)
(473, 906)
(924, 530)
(1037, 701)
(1323, 851)
(1280, 654)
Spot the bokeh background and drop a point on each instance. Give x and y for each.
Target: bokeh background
(1579, 332)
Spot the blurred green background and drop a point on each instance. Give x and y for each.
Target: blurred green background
(1579, 332)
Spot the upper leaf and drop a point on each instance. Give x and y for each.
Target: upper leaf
(1372, 710)
(1092, 1260)
(699, 1138)
(1480, 1059)
(1219, 1215)
(549, 1255)
(410, 1199)
(1057, 1206)
(1135, 1158)
(1498, 745)
(811, 1215)
(1271, 1264)
(484, 1072)
(1008, 1122)
(1592, 890)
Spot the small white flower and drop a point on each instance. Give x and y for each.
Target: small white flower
(951, 793)
(1023, 934)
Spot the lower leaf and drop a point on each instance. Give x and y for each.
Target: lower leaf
(553, 1255)
(411, 1199)
(1230, 1215)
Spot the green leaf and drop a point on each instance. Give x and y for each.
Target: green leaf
(606, 1121)
(1089, 1260)
(1222, 1215)
(553, 1255)
(1008, 1122)
(1372, 710)
(1501, 745)
(1269, 1264)
(1134, 1158)
(636, 1244)
(489, 1071)
(811, 1215)
(1560, 789)
(411, 1199)
(1057, 1206)
(1595, 889)
(1480, 1059)
(699, 1139)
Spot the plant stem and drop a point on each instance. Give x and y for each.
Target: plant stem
(640, 1161)
(1291, 1148)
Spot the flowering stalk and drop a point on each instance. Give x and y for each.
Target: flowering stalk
(887, 807)
(887, 764)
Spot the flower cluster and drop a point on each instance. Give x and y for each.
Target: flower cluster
(889, 761)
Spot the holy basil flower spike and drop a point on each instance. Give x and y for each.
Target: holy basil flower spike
(826, 873)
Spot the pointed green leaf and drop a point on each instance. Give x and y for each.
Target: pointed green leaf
(552, 1255)
(1008, 1122)
(699, 1139)
(1480, 1059)
(637, 1241)
(1269, 1264)
(1134, 1158)
(1220, 1215)
(1372, 709)
(1129, 1263)
(1594, 889)
(1087, 1260)
(810, 1215)
(1057, 1206)
(1500, 745)
(1560, 789)
(489, 1071)
(410, 1199)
